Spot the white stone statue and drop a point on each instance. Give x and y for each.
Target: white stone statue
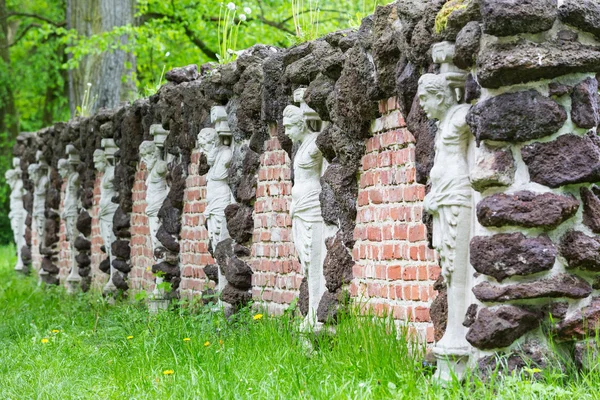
(67, 168)
(156, 185)
(216, 145)
(17, 214)
(302, 125)
(157, 189)
(104, 162)
(449, 202)
(38, 173)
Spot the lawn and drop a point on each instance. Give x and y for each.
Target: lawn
(56, 346)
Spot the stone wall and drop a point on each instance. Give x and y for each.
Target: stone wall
(520, 81)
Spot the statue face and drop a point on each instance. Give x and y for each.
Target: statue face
(100, 163)
(63, 170)
(149, 159)
(431, 103)
(207, 139)
(294, 129)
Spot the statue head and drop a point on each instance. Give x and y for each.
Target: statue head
(100, 162)
(149, 154)
(33, 170)
(64, 168)
(207, 139)
(435, 95)
(12, 175)
(293, 122)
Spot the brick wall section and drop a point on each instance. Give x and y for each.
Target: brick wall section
(99, 278)
(194, 236)
(277, 272)
(395, 270)
(140, 276)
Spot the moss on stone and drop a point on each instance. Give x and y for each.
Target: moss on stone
(441, 19)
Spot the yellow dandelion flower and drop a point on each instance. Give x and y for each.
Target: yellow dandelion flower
(221, 342)
(168, 372)
(187, 339)
(44, 340)
(148, 269)
(55, 331)
(257, 317)
(206, 344)
(129, 337)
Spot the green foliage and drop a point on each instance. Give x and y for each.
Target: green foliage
(306, 19)
(441, 19)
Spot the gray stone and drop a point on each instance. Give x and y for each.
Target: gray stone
(582, 324)
(439, 309)
(493, 167)
(504, 64)
(511, 17)
(558, 89)
(183, 74)
(121, 249)
(591, 207)
(240, 223)
(303, 297)
(471, 315)
(568, 159)
(516, 117)
(509, 254)
(330, 304)
(472, 89)
(337, 267)
(531, 354)
(234, 296)
(582, 14)
(500, 326)
(526, 209)
(584, 100)
(467, 45)
(562, 285)
(581, 251)
(212, 272)
(121, 265)
(82, 244)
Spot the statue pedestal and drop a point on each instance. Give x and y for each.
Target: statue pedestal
(157, 305)
(73, 284)
(451, 361)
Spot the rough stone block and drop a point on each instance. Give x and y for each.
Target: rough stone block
(467, 45)
(511, 17)
(566, 160)
(526, 209)
(183, 74)
(504, 64)
(591, 207)
(562, 285)
(509, 254)
(584, 100)
(581, 325)
(582, 14)
(338, 264)
(516, 117)
(82, 244)
(581, 251)
(500, 326)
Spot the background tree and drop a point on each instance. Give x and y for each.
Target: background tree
(51, 49)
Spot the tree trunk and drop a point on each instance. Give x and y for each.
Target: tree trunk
(9, 119)
(110, 78)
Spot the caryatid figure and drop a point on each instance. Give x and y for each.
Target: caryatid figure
(449, 202)
(302, 125)
(104, 162)
(17, 214)
(38, 173)
(216, 145)
(156, 182)
(67, 168)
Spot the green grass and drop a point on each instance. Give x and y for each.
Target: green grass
(92, 357)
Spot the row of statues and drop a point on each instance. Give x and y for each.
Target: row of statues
(449, 199)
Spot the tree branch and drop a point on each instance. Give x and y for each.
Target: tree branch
(21, 14)
(321, 10)
(23, 33)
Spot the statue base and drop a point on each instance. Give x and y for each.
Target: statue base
(73, 286)
(157, 305)
(450, 367)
